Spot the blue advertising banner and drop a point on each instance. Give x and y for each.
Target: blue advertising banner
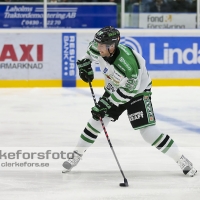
(62, 16)
(167, 53)
(69, 59)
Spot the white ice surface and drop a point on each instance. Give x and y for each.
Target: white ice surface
(41, 119)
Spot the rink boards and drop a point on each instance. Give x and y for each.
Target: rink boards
(47, 58)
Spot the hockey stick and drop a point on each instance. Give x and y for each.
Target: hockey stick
(125, 184)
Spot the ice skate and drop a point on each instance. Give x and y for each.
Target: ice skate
(186, 166)
(71, 162)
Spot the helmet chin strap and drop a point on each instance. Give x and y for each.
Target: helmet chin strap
(111, 54)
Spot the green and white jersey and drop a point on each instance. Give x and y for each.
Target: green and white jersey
(125, 72)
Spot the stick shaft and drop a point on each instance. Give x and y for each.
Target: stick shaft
(105, 131)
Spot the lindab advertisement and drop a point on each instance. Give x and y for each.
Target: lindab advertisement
(167, 53)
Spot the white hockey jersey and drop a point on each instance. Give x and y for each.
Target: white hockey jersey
(125, 73)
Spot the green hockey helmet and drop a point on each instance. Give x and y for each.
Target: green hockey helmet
(107, 35)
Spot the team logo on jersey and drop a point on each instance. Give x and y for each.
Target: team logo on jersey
(116, 78)
(122, 60)
(132, 43)
(136, 116)
(149, 109)
(136, 101)
(105, 70)
(110, 87)
(131, 84)
(108, 77)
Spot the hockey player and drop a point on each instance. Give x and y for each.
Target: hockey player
(127, 87)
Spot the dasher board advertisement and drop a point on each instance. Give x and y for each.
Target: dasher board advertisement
(30, 56)
(167, 53)
(58, 15)
(161, 53)
(167, 21)
(69, 59)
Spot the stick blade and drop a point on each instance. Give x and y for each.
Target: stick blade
(125, 184)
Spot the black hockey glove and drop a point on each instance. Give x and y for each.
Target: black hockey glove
(85, 70)
(101, 108)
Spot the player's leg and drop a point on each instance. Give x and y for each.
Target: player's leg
(142, 117)
(165, 144)
(87, 138)
(90, 134)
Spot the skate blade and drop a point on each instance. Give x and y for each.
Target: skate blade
(65, 171)
(192, 172)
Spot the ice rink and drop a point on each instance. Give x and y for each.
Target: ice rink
(40, 119)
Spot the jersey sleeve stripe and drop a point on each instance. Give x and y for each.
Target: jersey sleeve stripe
(94, 52)
(150, 83)
(116, 100)
(128, 92)
(123, 95)
(88, 52)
